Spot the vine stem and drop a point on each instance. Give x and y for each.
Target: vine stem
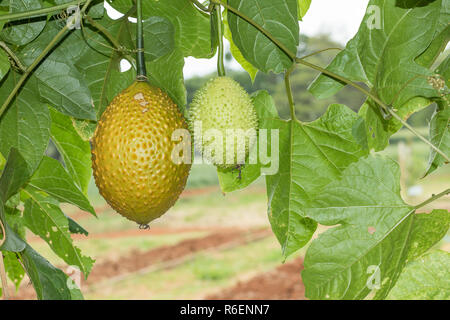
(433, 198)
(220, 54)
(199, 5)
(16, 60)
(40, 12)
(38, 60)
(4, 278)
(141, 70)
(295, 59)
(287, 82)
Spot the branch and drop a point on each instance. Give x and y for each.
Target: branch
(287, 82)
(40, 12)
(38, 60)
(11, 54)
(433, 198)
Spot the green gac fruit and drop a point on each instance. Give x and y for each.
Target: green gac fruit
(132, 153)
(224, 122)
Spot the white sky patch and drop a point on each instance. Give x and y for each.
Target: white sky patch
(338, 18)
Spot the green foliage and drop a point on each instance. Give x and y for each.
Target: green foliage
(427, 278)
(255, 46)
(375, 244)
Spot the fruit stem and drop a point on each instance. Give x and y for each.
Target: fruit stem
(220, 54)
(140, 61)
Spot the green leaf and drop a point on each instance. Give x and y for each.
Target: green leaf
(368, 249)
(383, 57)
(427, 278)
(54, 180)
(75, 228)
(229, 179)
(84, 128)
(311, 156)
(191, 26)
(97, 11)
(49, 282)
(279, 17)
(4, 64)
(101, 65)
(440, 38)
(75, 151)
(237, 54)
(25, 125)
(428, 229)
(14, 175)
(13, 268)
(159, 37)
(13, 241)
(46, 220)
(60, 83)
(440, 137)
(23, 31)
(303, 7)
(167, 73)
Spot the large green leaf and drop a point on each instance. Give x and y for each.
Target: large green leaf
(45, 219)
(4, 64)
(369, 247)
(159, 37)
(311, 156)
(231, 180)
(75, 151)
(59, 82)
(25, 125)
(54, 180)
(428, 229)
(279, 17)
(23, 31)
(427, 278)
(49, 282)
(383, 57)
(191, 26)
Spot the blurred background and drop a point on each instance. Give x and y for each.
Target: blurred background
(216, 246)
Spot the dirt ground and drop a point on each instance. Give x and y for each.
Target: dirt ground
(283, 283)
(162, 257)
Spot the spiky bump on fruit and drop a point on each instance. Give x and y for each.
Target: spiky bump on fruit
(131, 153)
(223, 105)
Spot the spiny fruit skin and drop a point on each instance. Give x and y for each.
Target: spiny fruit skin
(131, 153)
(222, 104)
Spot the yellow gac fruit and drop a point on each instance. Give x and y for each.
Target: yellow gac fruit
(132, 153)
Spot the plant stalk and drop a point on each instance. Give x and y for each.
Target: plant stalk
(10, 53)
(4, 278)
(220, 54)
(140, 55)
(287, 82)
(38, 60)
(433, 198)
(40, 12)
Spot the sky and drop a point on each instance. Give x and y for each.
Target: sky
(339, 18)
